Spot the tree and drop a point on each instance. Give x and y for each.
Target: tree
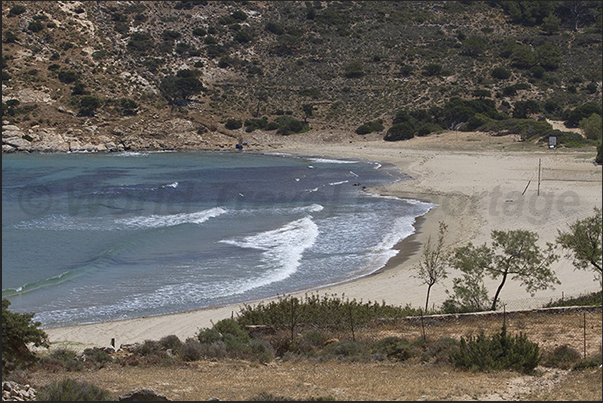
(17, 332)
(514, 254)
(550, 24)
(308, 109)
(582, 243)
(88, 104)
(432, 266)
(181, 86)
(591, 126)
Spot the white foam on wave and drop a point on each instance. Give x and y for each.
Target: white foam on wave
(282, 251)
(63, 222)
(338, 183)
(312, 208)
(331, 161)
(158, 221)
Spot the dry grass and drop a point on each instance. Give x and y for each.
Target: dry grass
(306, 379)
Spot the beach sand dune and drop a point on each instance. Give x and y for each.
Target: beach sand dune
(478, 182)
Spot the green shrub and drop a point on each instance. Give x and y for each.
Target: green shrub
(208, 336)
(215, 350)
(591, 126)
(561, 357)
(501, 73)
(274, 27)
(573, 117)
(233, 124)
(428, 128)
(72, 390)
(10, 37)
(16, 10)
(499, 352)
(565, 139)
(288, 125)
(191, 350)
(345, 349)
(35, 26)
(592, 361)
(354, 69)
(150, 348)
(88, 104)
(140, 43)
(400, 131)
(261, 350)
(230, 326)
(441, 350)
(171, 342)
(97, 357)
(369, 127)
(432, 69)
(68, 76)
(527, 128)
(61, 358)
(399, 349)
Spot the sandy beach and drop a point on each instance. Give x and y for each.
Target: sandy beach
(478, 182)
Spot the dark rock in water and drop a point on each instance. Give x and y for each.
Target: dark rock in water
(143, 395)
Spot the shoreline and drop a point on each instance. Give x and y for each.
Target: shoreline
(461, 183)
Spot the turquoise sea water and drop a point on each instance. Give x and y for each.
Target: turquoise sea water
(94, 237)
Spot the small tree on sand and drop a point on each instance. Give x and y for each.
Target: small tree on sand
(513, 254)
(582, 243)
(432, 267)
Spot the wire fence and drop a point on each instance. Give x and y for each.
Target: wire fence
(575, 327)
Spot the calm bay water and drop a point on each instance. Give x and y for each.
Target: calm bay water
(93, 237)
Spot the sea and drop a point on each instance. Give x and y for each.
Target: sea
(92, 237)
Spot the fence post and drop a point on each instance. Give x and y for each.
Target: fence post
(584, 313)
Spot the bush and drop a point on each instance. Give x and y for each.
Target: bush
(400, 131)
(262, 350)
(288, 125)
(396, 348)
(88, 104)
(16, 10)
(343, 350)
(591, 127)
(354, 69)
(68, 76)
(233, 124)
(97, 357)
(171, 342)
(561, 357)
(441, 350)
(369, 127)
(191, 350)
(140, 43)
(501, 73)
(150, 349)
(500, 352)
(432, 69)
(61, 358)
(592, 361)
(230, 326)
(71, 390)
(10, 37)
(573, 117)
(35, 26)
(274, 27)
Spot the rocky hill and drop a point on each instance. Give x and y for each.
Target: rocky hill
(134, 75)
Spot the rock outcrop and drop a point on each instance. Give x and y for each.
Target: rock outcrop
(15, 392)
